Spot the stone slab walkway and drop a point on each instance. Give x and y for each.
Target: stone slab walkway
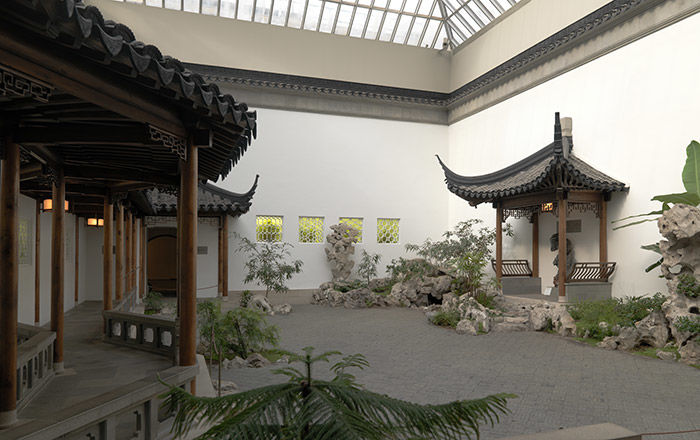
(561, 383)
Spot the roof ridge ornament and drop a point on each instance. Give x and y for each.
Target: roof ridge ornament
(558, 150)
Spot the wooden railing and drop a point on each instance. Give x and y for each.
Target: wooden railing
(34, 361)
(142, 332)
(513, 268)
(130, 412)
(591, 272)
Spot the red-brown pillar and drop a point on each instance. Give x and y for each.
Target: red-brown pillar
(536, 245)
(499, 242)
(119, 255)
(37, 264)
(58, 266)
(77, 259)
(128, 262)
(142, 258)
(561, 202)
(9, 280)
(107, 263)
(188, 258)
(224, 253)
(220, 259)
(603, 234)
(134, 263)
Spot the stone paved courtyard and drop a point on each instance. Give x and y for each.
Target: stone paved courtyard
(561, 383)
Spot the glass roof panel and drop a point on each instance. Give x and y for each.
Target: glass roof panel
(424, 23)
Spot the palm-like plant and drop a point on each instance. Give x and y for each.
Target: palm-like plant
(311, 409)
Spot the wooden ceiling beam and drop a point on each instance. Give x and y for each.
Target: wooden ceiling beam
(83, 134)
(85, 79)
(118, 175)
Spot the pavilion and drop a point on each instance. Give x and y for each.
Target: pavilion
(552, 180)
(93, 117)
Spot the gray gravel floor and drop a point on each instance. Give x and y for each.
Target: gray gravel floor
(561, 383)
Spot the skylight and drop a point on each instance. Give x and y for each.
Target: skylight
(425, 23)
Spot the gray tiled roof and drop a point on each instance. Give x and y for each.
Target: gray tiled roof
(212, 200)
(535, 173)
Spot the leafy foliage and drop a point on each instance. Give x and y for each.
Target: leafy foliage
(464, 252)
(267, 264)
(238, 332)
(368, 265)
(405, 269)
(615, 311)
(346, 286)
(688, 324)
(688, 285)
(246, 296)
(308, 408)
(152, 302)
(446, 319)
(486, 300)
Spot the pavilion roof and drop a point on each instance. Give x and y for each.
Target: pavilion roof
(551, 168)
(212, 200)
(107, 59)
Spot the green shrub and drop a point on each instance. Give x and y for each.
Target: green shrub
(688, 286)
(368, 265)
(152, 302)
(404, 269)
(246, 296)
(688, 324)
(346, 286)
(486, 300)
(268, 264)
(446, 319)
(615, 311)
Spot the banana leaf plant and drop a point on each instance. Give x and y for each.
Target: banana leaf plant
(691, 196)
(306, 408)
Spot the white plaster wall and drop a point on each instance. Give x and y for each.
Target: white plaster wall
(530, 22)
(208, 265)
(333, 166)
(634, 112)
(26, 271)
(225, 42)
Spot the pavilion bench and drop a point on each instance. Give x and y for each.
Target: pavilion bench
(589, 281)
(517, 279)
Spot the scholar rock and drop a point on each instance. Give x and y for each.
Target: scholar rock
(341, 248)
(609, 343)
(665, 355)
(653, 330)
(256, 360)
(467, 327)
(282, 309)
(261, 303)
(236, 362)
(628, 338)
(690, 352)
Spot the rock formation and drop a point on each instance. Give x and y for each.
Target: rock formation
(340, 250)
(570, 259)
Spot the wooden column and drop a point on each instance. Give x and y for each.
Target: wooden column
(107, 264)
(119, 255)
(188, 258)
(58, 266)
(561, 203)
(77, 259)
(499, 242)
(134, 261)
(127, 252)
(536, 245)
(224, 252)
(220, 259)
(603, 234)
(37, 263)
(9, 280)
(142, 258)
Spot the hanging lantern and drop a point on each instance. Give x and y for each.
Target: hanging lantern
(95, 222)
(47, 205)
(548, 207)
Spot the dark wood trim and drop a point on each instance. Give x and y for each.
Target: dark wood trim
(103, 173)
(107, 264)
(86, 80)
(86, 134)
(58, 265)
(9, 278)
(128, 262)
(536, 245)
(134, 263)
(119, 254)
(220, 259)
(37, 263)
(188, 258)
(142, 257)
(499, 242)
(528, 200)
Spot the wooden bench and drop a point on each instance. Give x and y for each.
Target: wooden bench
(591, 272)
(513, 268)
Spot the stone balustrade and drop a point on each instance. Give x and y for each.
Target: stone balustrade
(34, 361)
(142, 332)
(130, 412)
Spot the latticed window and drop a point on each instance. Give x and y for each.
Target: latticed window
(387, 230)
(310, 229)
(355, 222)
(268, 228)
